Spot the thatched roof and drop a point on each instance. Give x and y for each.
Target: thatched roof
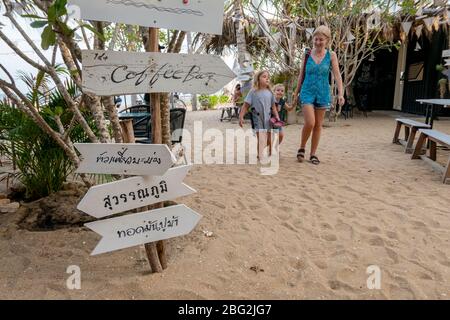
(257, 41)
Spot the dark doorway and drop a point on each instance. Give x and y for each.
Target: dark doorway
(421, 76)
(374, 83)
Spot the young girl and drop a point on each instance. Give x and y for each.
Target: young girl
(262, 102)
(282, 106)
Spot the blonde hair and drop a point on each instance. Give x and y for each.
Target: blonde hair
(278, 85)
(324, 31)
(256, 84)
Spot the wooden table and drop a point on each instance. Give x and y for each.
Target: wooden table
(429, 110)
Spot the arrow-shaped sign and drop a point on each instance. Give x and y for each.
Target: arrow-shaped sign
(204, 16)
(144, 227)
(112, 72)
(110, 198)
(125, 158)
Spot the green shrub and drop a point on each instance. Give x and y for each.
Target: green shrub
(224, 99)
(213, 101)
(43, 165)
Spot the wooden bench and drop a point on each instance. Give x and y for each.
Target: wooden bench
(411, 127)
(435, 137)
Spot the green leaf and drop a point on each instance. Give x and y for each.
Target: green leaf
(33, 16)
(38, 24)
(59, 111)
(91, 28)
(73, 72)
(51, 13)
(65, 28)
(60, 7)
(48, 37)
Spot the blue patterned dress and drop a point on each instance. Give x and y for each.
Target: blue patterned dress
(316, 88)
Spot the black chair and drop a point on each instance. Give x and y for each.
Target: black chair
(141, 127)
(177, 119)
(140, 108)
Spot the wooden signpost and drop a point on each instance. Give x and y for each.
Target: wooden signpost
(125, 158)
(116, 73)
(144, 227)
(193, 15)
(110, 72)
(123, 195)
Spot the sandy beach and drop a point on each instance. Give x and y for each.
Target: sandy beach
(309, 232)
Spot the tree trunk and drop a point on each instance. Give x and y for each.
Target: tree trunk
(292, 45)
(179, 43)
(244, 58)
(165, 120)
(110, 106)
(191, 50)
(173, 40)
(156, 257)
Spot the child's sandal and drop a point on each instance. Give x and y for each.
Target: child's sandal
(301, 155)
(314, 160)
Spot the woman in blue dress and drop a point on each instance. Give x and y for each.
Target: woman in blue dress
(314, 91)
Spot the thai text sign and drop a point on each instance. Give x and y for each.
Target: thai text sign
(125, 158)
(132, 230)
(123, 195)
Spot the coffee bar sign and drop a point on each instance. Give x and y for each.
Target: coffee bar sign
(114, 73)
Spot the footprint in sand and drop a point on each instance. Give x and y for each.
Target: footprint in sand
(345, 230)
(298, 223)
(338, 285)
(374, 229)
(424, 276)
(329, 237)
(397, 293)
(289, 226)
(445, 263)
(322, 265)
(283, 215)
(392, 235)
(376, 241)
(392, 254)
(286, 209)
(419, 224)
(217, 204)
(325, 225)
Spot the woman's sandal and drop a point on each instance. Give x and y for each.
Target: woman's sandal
(314, 160)
(301, 155)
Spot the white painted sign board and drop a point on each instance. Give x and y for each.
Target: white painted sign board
(446, 53)
(112, 73)
(125, 158)
(123, 195)
(204, 16)
(132, 230)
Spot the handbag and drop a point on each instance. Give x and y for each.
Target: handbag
(276, 123)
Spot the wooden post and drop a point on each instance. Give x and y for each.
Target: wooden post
(155, 251)
(127, 130)
(150, 248)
